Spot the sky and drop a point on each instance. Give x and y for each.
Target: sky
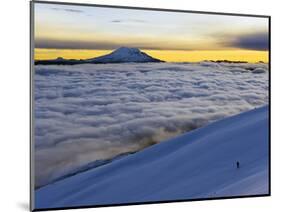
(79, 32)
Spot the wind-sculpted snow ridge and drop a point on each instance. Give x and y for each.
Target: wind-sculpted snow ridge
(90, 112)
(198, 164)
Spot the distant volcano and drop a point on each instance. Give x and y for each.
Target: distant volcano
(124, 55)
(120, 55)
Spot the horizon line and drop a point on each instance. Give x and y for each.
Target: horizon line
(234, 55)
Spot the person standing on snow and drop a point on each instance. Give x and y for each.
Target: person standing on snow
(237, 164)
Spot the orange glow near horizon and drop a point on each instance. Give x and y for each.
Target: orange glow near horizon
(195, 56)
(48, 54)
(166, 55)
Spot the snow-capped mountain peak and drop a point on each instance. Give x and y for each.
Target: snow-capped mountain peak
(123, 55)
(120, 55)
(126, 50)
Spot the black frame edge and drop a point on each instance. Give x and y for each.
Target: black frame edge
(152, 202)
(31, 68)
(269, 102)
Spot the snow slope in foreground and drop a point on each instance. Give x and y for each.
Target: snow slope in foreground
(198, 164)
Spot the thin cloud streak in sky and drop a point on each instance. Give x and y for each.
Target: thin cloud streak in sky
(257, 41)
(103, 45)
(68, 10)
(254, 41)
(61, 44)
(128, 21)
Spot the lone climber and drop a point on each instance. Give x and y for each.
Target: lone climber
(237, 165)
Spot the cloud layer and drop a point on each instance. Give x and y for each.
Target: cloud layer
(252, 41)
(85, 113)
(257, 41)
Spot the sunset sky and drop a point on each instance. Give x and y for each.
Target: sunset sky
(80, 32)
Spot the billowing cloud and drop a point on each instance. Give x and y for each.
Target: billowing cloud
(86, 113)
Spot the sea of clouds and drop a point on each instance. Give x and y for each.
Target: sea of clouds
(90, 112)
